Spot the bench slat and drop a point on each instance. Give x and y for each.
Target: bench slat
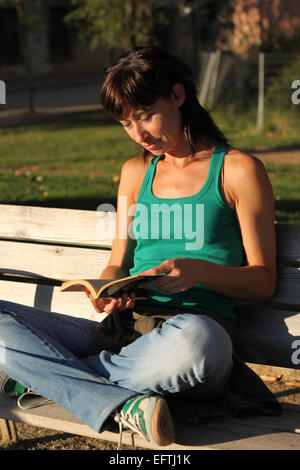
(288, 242)
(268, 336)
(81, 227)
(49, 298)
(288, 287)
(225, 434)
(46, 224)
(62, 262)
(289, 421)
(65, 262)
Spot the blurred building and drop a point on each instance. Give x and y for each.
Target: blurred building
(196, 26)
(54, 49)
(254, 21)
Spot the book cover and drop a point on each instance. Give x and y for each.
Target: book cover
(103, 288)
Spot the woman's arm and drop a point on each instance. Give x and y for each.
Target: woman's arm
(251, 191)
(247, 183)
(122, 247)
(117, 265)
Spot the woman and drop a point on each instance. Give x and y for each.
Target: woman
(202, 217)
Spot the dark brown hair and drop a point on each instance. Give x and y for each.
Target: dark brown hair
(143, 75)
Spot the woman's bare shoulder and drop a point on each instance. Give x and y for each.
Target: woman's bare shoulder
(239, 164)
(238, 158)
(243, 171)
(137, 164)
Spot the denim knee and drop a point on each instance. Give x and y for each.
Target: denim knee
(200, 343)
(193, 349)
(188, 350)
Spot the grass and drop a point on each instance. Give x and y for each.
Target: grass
(86, 144)
(285, 182)
(281, 127)
(75, 162)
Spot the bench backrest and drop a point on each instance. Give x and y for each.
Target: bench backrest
(70, 244)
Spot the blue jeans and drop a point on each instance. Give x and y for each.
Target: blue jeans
(50, 354)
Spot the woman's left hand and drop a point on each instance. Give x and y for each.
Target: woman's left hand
(180, 274)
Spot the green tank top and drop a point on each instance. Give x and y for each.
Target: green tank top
(201, 226)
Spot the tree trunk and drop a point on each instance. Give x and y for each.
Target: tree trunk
(26, 54)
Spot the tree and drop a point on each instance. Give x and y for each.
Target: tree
(118, 23)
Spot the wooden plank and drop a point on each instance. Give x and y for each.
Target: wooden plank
(79, 227)
(268, 336)
(53, 260)
(76, 262)
(237, 435)
(8, 431)
(288, 242)
(52, 225)
(232, 434)
(50, 299)
(288, 286)
(289, 421)
(52, 416)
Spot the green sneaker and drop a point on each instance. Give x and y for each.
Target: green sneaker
(149, 416)
(13, 388)
(10, 386)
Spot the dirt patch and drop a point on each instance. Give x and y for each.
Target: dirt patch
(287, 156)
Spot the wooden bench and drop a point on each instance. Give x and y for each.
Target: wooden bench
(69, 244)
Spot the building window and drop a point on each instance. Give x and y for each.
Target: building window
(10, 46)
(59, 34)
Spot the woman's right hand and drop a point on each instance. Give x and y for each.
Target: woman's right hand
(112, 304)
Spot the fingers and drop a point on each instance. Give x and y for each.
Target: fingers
(111, 305)
(165, 267)
(131, 300)
(120, 303)
(166, 284)
(127, 301)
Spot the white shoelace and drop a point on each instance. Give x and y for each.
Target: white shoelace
(44, 401)
(123, 421)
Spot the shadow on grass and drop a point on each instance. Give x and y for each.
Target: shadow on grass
(62, 121)
(66, 203)
(288, 211)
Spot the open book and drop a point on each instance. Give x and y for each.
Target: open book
(98, 287)
(103, 288)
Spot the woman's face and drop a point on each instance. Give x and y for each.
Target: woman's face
(158, 128)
